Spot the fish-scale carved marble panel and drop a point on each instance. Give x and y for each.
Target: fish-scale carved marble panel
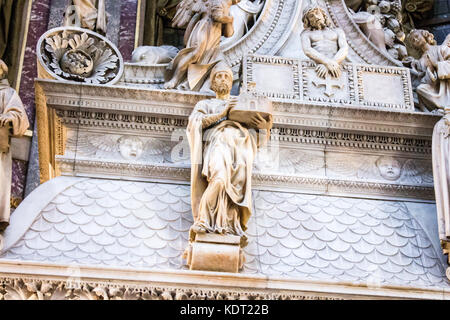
(340, 239)
(113, 223)
(120, 223)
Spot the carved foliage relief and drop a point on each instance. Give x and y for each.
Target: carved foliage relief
(79, 55)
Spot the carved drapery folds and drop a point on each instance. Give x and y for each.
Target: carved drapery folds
(221, 173)
(13, 121)
(89, 14)
(441, 172)
(381, 22)
(431, 72)
(205, 22)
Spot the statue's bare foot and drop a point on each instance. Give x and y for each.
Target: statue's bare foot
(196, 228)
(170, 85)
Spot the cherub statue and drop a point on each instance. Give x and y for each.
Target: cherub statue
(13, 119)
(221, 167)
(433, 68)
(326, 46)
(206, 21)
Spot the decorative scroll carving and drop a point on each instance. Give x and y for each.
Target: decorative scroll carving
(76, 289)
(79, 55)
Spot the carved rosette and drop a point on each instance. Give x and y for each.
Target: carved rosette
(80, 55)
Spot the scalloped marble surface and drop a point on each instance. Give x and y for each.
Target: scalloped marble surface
(120, 223)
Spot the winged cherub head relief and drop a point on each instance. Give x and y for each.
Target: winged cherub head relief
(130, 147)
(389, 168)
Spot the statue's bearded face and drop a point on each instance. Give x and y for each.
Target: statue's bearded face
(316, 19)
(222, 83)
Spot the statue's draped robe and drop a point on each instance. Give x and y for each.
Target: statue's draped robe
(92, 14)
(225, 160)
(202, 38)
(11, 104)
(441, 173)
(436, 94)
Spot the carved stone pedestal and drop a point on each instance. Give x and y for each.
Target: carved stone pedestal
(215, 252)
(446, 250)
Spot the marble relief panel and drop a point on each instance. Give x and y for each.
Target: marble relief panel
(274, 159)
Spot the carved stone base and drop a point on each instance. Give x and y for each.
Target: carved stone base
(446, 250)
(215, 252)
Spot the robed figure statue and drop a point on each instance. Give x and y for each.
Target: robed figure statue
(13, 120)
(433, 68)
(222, 154)
(206, 21)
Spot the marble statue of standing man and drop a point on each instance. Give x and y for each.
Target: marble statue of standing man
(222, 154)
(326, 46)
(14, 117)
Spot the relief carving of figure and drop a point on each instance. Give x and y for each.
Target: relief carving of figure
(432, 68)
(221, 167)
(326, 46)
(381, 22)
(88, 14)
(13, 120)
(206, 22)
